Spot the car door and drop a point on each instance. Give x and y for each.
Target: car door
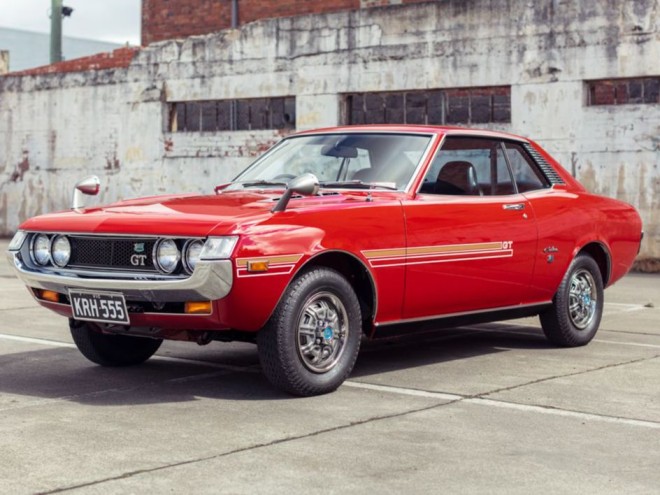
(471, 236)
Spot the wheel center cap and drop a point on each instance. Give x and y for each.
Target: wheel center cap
(328, 334)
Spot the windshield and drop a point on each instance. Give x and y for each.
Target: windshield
(339, 160)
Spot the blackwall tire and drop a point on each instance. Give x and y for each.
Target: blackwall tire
(577, 308)
(311, 342)
(111, 350)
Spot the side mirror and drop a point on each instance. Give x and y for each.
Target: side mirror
(89, 186)
(305, 184)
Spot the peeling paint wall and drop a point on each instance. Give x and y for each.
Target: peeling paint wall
(4, 62)
(57, 128)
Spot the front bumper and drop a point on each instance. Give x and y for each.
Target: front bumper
(210, 281)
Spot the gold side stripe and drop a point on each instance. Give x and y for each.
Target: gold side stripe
(384, 253)
(272, 260)
(455, 248)
(430, 250)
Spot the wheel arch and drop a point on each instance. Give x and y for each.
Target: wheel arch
(601, 255)
(356, 273)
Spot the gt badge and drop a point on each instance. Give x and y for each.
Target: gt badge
(138, 259)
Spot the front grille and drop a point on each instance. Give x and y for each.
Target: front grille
(126, 254)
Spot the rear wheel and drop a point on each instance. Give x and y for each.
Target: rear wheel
(111, 350)
(311, 342)
(577, 307)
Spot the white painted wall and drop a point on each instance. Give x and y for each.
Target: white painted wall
(55, 129)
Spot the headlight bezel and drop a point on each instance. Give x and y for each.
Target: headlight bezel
(53, 242)
(156, 256)
(188, 265)
(33, 246)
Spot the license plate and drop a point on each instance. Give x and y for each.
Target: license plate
(102, 307)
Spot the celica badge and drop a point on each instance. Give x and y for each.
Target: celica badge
(137, 258)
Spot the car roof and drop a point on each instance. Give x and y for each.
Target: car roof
(417, 129)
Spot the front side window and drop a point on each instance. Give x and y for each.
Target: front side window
(340, 160)
(481, 167)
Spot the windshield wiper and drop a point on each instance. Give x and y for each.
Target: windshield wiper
(252, 183)
(358, 184)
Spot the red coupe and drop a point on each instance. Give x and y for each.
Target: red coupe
(333, 236)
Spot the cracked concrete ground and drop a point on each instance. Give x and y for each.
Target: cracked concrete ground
(483, 409)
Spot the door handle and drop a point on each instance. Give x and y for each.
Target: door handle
(514, 206)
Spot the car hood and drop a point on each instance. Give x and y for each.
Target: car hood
(181, 215)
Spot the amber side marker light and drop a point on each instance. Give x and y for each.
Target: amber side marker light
(47, 295)
(257, 266)
(198, 308)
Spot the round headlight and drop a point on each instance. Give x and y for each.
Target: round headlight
(191, 253)
(60, 251)
(167, 255)
(41, 249)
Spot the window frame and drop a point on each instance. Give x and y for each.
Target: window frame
(498, 143)
(229, 113)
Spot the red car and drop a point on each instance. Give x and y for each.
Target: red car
(331, 236)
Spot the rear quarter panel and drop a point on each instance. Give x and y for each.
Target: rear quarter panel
(569, 221)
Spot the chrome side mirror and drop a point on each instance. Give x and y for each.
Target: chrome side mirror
(305, 184)
(89, 186)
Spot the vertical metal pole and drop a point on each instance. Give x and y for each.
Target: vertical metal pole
(56, 31)
(234, 14)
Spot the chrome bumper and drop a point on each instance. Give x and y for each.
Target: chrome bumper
(211, 280)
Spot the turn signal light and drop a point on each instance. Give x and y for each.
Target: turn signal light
(48, 295)
(198, 308)
(257, 266)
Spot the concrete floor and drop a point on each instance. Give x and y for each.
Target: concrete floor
(484, 409)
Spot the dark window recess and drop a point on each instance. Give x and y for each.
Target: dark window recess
(232, 115)
(438, 106)
(624, 91)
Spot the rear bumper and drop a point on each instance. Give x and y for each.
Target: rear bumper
(210, 281)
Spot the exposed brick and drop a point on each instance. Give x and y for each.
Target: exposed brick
(118, 58)
(168, 19)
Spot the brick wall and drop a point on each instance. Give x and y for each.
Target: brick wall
(170, 19)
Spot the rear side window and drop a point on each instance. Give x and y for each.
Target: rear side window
(525, 172)
(482, 167)
(470, 167)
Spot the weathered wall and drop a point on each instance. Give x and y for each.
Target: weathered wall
(56, 128)
(4, 62)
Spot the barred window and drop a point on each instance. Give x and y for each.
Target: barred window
(232, 115)
(623, 91)
(438, 106)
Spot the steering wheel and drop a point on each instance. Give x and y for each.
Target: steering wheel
(284, 176)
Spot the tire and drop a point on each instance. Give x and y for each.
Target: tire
(111, 350)
(310, 344)
(577, 306)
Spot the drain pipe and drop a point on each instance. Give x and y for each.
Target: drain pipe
(56, 31)
(234, 14)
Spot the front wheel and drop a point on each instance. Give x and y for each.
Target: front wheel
(577, 306)
(311, 342)
(111, 350)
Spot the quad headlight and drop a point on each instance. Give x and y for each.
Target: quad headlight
(191, 253)
(60, 251)
(166, 255)
(40, 249)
